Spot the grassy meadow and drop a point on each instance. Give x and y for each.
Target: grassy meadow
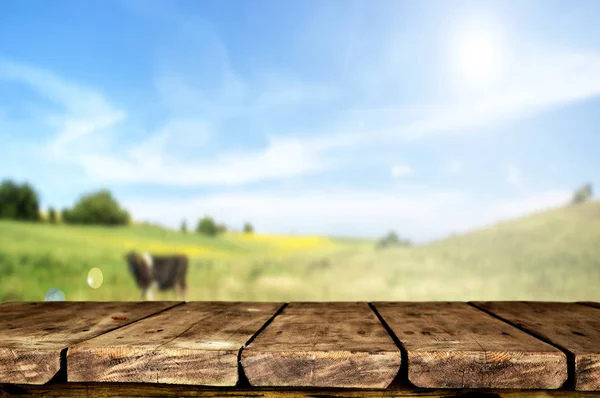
(553, 255)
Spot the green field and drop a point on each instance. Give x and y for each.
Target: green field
(547, 256)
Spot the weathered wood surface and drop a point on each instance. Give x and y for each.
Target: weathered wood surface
(454, 345)
(195, 343)
(311, 346)
(323, 345)
(33, 335)
(573, 327)
(95, 390)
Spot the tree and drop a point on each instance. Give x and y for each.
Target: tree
(18, 202)
(248, 228)
(96, 208)
(65, 216)
(221, 228)
(207, 226)
(583, 194)
(392, 239)
(183, 227)
(52, 215)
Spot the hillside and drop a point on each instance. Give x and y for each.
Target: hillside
(553, 255)
(548, 256)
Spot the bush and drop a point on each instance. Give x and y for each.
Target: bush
(96, 208)
(52, 216)
(207, 226)
(248, 228)
(392, 239)
(183, 227)
(18, 202)
(583, 194)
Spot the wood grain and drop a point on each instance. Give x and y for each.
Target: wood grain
(195, 343)
(33, 334)
(453, 345)
(323, 345)
(573, 327)
(94, 390)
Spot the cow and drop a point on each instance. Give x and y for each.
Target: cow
(166, 272)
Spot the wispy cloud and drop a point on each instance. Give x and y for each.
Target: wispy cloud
(85, 111)
(537, 82)
(285, 158)
(401, 170)
(225, 122)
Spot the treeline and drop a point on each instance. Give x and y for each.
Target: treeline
(21, 202)
(209, 227)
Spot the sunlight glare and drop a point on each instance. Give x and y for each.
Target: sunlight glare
(477, 55)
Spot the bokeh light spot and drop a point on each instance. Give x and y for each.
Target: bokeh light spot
(95, 278)
(54, 294)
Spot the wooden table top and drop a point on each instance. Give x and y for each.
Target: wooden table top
(274, 349)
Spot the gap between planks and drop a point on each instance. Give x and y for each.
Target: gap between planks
(453, 345)
(569, 326)
(404, 364)
(34, 340)
(323, 345)
(402, 376)
(570, 382)
(242, 379)
(197, 343)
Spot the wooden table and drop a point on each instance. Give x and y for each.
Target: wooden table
(350, 349)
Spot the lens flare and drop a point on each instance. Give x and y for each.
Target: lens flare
(95, 278)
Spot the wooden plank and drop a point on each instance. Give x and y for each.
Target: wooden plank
(323, 345)
(573, 327)
(453, 345)
(33, 335)
(195, 343)
(79, 390)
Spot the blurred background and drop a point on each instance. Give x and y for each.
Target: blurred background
(301, 149)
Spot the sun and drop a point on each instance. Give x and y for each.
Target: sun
(477, 56)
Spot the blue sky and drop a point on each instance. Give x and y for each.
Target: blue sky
(325, 117)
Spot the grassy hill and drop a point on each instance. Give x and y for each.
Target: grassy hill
(553, 255)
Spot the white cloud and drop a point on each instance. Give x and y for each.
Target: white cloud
(534, 83)
(87, 114)
(453, 167)
(401, 170)
(421, 215)
(539, 82)
(514, 175)
(149, 163)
